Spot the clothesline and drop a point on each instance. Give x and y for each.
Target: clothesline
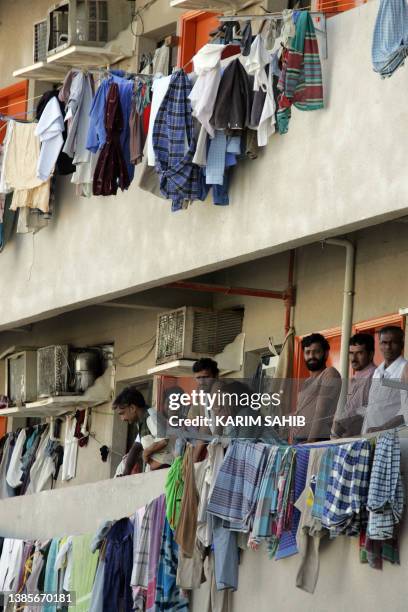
(325, 4)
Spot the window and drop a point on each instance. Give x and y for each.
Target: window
(13, 101)
(195, 28)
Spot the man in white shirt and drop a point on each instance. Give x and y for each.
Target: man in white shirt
(131, 407)
(387, 404)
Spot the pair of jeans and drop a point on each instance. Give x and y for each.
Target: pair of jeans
(118, 568)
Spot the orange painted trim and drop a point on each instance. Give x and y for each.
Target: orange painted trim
(187, 28)
(10, 93)
(3, 426)
(390, 319)
(15, 91)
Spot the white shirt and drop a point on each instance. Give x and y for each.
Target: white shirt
(49, 129)
(69, 462)
(15, 472)
(159, 89)
(266, 125)
(256, 61)
(10, 564)
(165, 455)
(64, 561)
(203, 95)
(385, 403)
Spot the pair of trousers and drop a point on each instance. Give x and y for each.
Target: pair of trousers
(117, 592)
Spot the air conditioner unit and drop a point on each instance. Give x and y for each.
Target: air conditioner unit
(191, 333)
(21, 377)
(52, 370)
(85, 23)
(40, 41)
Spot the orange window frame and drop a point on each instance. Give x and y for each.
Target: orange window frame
(188, 36)
(334, 7)
(13, 101)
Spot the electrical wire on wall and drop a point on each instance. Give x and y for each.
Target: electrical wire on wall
(136, 16)
(151, 343)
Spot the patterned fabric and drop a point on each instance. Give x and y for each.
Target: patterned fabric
(347, 489)
(301, 78)
(173, 127)
(374, 552)
(236, 489)
(390, 39)
(287, 543)
(285, 501)
(322, 482)
(168, 594)
(140, 577)
(386, 494)
(262, 527)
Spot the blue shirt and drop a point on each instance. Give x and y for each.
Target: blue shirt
(97, 132)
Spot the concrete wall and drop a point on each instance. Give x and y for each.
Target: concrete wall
(305, 186)
(344, 584)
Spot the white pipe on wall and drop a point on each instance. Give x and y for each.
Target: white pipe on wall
(347, 316)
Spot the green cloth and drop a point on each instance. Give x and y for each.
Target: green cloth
(173, 490)
(84, 564)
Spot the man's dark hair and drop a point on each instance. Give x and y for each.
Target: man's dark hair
(393, 329)
(130, 396)
(315, 339)
(206, 364)
(366, 340)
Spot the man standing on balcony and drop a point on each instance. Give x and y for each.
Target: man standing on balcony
(349, 419)
(387, 402)
(131, 407)
(318, 394)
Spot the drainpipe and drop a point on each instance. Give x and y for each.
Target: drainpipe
(347, 316)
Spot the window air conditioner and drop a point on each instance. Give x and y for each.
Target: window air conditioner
(52, 370)
(40, 41)
(85, 22)
(191, 333)
(21, 377)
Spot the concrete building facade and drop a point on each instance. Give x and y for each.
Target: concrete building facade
(100, 274)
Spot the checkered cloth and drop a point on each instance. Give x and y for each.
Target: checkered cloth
(347, 489)
(173, 128)
(390, 39)
(235, 492)
(322, 482)
(386, 494)
(140, 576)
(284, 511)
(265, 510)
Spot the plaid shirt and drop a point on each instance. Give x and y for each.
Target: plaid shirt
(386, 495)
(179, 177)
(322, 481)
(390, 39)
(140, 576)
(264, 513)
(347, 489)
(236, 489)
